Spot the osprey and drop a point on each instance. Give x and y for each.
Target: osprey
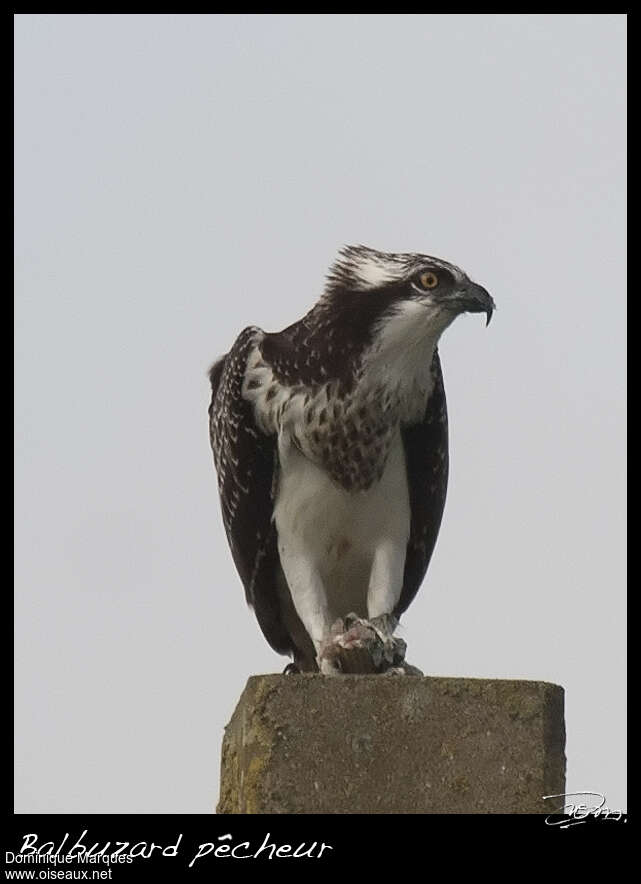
(330, 445)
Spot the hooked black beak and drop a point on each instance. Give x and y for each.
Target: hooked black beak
(475, 299)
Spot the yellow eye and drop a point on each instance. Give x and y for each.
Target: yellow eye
(428, 280)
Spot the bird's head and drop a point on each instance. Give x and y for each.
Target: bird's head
(408, 295)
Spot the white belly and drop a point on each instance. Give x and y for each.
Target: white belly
(328, 533)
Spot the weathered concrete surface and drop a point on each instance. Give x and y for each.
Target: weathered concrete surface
(393, 744)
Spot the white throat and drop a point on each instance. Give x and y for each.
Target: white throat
(400, 357)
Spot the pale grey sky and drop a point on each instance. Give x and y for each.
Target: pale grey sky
(181, 176)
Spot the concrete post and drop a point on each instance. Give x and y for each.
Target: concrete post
(393, 744)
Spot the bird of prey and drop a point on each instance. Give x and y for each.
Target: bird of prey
(331, 448)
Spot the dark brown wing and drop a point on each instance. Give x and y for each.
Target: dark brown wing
(426, 457)
(246, 462)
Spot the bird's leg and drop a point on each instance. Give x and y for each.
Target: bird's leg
(386, 580)
(393, 648)
(359, 645)
(352, 645)
(310, 600)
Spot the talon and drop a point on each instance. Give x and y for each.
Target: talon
(405, 669)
